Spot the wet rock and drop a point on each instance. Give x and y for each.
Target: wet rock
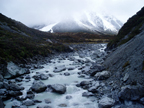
(14, 93)
(82, 76)
(84, 83)
(44, 106)
(28, 102)
(3, 91)
(38, 86)
(142, 100)
(6, 85)
(62, 105)
(30, 95)
(43, 77)
(15, 87)
(59, 88)
(93, 89)
(18, 79)
(27, 77)
(96, 68)
(1, 78)
(68, 97)
(51, 75)
(102, 75)
(36, 77)
(47, 101)
(59, 69)
(131, 92)
(16, 104)
(87, 94)
(67, 74)
(71, 68)
(14, 71)
(106, 102)
(37, 101)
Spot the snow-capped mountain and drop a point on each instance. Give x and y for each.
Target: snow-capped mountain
(87, 22)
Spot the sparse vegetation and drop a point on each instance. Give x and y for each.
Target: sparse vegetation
(126, 64)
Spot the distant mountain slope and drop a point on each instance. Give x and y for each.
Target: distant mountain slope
(88, 22)
(18, 42)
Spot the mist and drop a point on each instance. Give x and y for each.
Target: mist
(35, 12)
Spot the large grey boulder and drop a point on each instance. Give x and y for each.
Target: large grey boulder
(102, 75)
(106, 102)
(133, 93)
(15, 87)
(38, 86)
(13, 70)
(59, 88)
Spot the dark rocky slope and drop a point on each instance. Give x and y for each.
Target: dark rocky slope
(126, 61)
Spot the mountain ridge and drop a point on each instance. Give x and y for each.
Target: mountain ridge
(87, 22)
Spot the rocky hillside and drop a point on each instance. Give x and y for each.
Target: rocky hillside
(18, 42)
(129, 30)
(126, 62)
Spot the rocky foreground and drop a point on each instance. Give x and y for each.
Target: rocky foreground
(101, 87)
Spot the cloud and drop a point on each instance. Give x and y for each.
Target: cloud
(32, 12)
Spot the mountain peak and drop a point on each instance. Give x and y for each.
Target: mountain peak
(99, 23)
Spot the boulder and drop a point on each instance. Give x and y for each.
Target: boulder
(38, 86)
(13, 71)
(14, 93)
(87, 94)
(1, 85)
(84, 83)
(28, 102)
(68, 97)
(102, 75)
(67, 74)
(62, 105)
(106, 102)
(3, 91)
(44, 106)
(27, 77)
(59, 69)
(96, 68)
(133, 93)
(15, 87)
(18, 79)
(59, 88)
(43, 77)
(36, 77)
(47, 101)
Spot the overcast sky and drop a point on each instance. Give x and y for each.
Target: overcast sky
(31, 12)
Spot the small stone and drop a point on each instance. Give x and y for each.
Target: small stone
(62, 105)
(47, 101)
(66, 74)
(68, 97)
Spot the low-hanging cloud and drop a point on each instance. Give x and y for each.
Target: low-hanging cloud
(32, 12)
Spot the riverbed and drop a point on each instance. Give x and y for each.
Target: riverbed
(64, 69)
